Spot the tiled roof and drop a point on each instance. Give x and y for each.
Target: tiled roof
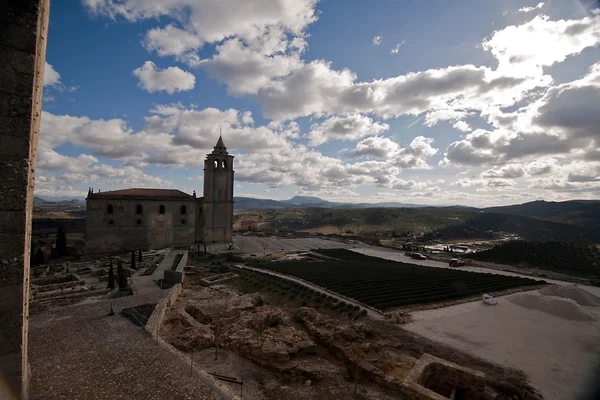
(140, 192)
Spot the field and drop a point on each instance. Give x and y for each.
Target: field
(385, 284)
(431, 223)
(567, 258)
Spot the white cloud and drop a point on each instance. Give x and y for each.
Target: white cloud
(529, 9)
(172, 41)
(376, 146)
(377, 40)
(462, 126)
(51, 76)
(350, 127)
(396, 49)
(211, 21)
(541, 42)
(245, 70)
(509, 171)
(170, 80)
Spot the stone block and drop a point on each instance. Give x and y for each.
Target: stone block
(11, 221)
(13, 247)
(12, 81)
(19, 33)
(14, 146)
(431, 372)
(14, 170)
(13, 196)
(15, 126)
(21, 61)
(13, 105)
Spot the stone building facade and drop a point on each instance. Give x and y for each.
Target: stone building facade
(131, 219)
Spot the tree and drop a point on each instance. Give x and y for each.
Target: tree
(39, 257)
(133, 260)
(259, 327)
(140, 255)
(217, 311)
(121, 275)
(111, 276)
(61, 242)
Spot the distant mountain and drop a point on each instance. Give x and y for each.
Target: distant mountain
(39, 202)
(576, 212)
(248, 203)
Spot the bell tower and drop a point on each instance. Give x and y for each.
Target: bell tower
(217, 204)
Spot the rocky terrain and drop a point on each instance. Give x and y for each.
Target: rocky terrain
(283, 349)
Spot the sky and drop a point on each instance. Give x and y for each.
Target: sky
(474, 102)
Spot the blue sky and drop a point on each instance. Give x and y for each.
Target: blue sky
(471, 102)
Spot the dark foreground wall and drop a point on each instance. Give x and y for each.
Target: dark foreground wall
(23, 31)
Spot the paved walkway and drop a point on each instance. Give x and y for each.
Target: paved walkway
(146, 284)
(79, 352)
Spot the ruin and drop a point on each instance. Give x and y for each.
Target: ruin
(433, 378)
(131, 219)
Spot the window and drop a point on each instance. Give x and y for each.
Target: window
(109, 209)
(223, 164)
(183, 222)
(139, 209)
(183, 210)
(161, 209)
(138, 222)
(215, 164)
(111, 223)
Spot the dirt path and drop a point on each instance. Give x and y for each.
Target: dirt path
(557, 354)
(370, 311)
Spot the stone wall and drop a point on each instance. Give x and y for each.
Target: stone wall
(125, 230)
(432, 372)
(23, 32)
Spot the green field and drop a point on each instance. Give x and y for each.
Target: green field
(431, 223)
(384, 284)
(567, 258)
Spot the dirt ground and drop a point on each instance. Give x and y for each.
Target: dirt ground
(559, 355)
(306, 353)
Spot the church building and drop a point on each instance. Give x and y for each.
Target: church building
(131, 219)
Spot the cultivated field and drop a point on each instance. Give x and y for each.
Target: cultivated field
(385, 284)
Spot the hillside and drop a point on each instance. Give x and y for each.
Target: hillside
(576, 212)
(443, 223)
(573, 259)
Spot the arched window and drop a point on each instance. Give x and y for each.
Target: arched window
(183, 210)
(161, 209)
(223, 164)
(109, 209)
(215, 164)
(139, 209)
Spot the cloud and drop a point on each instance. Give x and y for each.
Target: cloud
(170, 80)
(509, 171)
(210, 21)
(377, 40)
(247, 71)
(462, 126)
(172, 41)
(51, 76)
(525, 48)
(50, 160)
(412, 156)
(376, 146)
(396, 49)
(529, 9)
(350, 127)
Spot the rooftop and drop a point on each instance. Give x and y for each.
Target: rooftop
(143, 192)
